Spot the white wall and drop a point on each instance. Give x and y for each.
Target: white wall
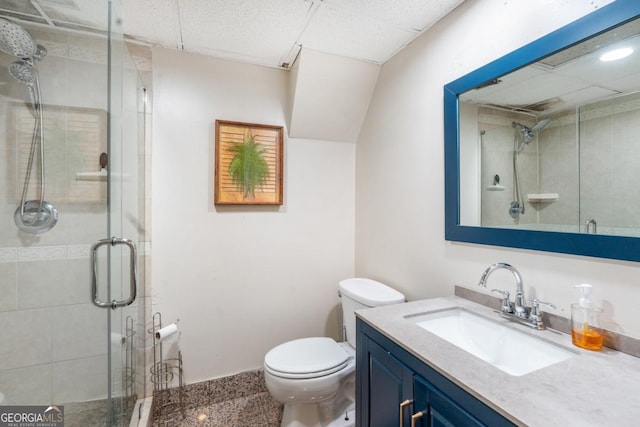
(331, 96)
(242, 280)
(400, 173)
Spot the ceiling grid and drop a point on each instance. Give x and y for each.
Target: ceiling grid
(264, 32)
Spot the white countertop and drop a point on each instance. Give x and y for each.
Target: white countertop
(592, 388)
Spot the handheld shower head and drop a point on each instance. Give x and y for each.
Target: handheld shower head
(32, 216)
(16, 41)
(26, 73)
(23, 72)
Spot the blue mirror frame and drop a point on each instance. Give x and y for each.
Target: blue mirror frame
(602, 246)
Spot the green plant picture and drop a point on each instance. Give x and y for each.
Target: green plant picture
(248, 164)
(248, 168)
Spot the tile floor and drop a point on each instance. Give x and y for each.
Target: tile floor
(240, 400)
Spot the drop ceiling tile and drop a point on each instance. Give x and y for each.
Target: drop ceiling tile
(266, 32)
(590, 68)
(263, 30)
(19, 6)
(583, 96)
(87, 13)
(152, 20)
(626, 84)
(533, 90)
(415, 15)
(508, 83)
(345, 33)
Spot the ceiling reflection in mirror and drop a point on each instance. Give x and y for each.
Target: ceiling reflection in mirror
(555, 146)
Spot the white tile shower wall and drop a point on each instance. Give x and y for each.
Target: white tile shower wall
(609, 191)
(594, 172)
(559, 173)
(29, 386)
(49, 326)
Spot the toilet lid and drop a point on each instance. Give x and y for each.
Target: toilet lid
(306, 358)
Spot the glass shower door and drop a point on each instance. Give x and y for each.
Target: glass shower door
(115, 257)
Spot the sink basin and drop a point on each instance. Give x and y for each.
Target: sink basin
(510, 350)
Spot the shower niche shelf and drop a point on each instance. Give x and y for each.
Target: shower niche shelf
(101, 175)
(495, 187)
(542, 197)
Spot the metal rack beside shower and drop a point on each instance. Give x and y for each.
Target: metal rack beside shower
(164, 373)
(129, 370)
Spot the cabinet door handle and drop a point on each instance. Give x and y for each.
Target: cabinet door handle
(416, 417)
(403, 405)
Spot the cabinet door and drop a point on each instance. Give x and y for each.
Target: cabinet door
(437, 409)
(389, 384)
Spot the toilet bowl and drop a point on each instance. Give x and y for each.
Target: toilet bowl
(315, 377)
(312, 367)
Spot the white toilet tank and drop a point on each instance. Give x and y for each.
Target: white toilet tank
(358, 293)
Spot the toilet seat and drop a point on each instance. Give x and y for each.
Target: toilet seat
(306, 358)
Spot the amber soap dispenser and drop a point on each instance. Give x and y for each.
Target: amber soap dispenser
(585, 321)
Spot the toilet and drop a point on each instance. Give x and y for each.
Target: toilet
(315, 377)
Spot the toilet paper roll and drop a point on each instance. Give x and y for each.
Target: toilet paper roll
(167, 331)
(117, 339)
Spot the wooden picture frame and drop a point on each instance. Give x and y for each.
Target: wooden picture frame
(248, 164)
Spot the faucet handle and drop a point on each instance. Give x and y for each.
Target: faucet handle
(506, 302)
(536, 314)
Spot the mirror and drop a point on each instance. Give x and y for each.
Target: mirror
(540, 144)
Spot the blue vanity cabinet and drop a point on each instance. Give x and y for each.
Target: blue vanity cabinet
(438, 410)
(389, 383)
(392, 386)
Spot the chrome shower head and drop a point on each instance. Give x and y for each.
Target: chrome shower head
(23, 71)
(539, 126)
(529, 132)
(16, 41)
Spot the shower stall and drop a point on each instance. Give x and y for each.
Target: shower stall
(73, 237)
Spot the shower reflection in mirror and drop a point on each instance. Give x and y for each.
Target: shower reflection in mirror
(31, 216)
(562, 170)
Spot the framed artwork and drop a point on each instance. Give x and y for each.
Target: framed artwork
(248, 164)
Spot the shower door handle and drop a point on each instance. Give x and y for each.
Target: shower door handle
(132, 266)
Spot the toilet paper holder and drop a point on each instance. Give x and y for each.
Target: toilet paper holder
(165, 371)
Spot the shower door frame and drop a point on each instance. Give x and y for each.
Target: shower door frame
(125, 99)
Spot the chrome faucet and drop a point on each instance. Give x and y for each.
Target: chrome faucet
(518, 311)
(519, 305)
